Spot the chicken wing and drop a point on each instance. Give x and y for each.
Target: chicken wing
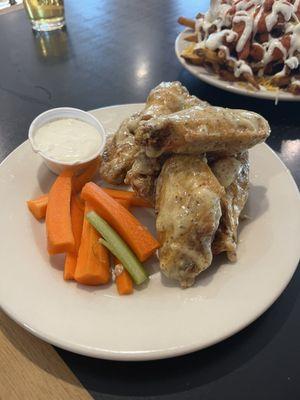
(202, 129)
(168, 98)
(143, 174)
(188, 213)
(120, 152)
(121, 149)
(233, 175)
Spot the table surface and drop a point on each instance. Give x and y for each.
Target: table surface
(114, 52)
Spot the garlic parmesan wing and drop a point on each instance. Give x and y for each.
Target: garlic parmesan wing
(121, 149)
(202, 129)
(233, 175)
(188, 213)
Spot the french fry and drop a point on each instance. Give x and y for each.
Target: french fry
(189, 23)
(193, 59)
(209, 55)
(189, 55)
(256, 52)
(294, 88)
(244, 54)
(191, 38)
(250, 78)
(222, 55)
(280, 81)
(223, 60)
(262, 37)
(215, 67)
(227, 75)
(239, 28)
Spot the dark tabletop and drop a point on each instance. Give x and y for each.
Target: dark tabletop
(114, 52)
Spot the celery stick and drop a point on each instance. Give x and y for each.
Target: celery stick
(118, 247)
(137, 275)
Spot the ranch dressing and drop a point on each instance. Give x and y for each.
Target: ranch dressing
(67, 140)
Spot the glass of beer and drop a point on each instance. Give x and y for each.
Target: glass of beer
(45, 15)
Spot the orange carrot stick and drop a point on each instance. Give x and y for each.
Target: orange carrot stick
(77, 222)
(80, 203)
(58, 216)
(126, 195)
(129, 228)
(38, 206)
(86, 176)
(124, 283)
(92, 266)
(125, 203)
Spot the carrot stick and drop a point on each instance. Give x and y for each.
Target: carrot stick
(92, 266)
(80, 202)
(58, 216)
(77, 222)
(38, 206)
(86, 176)
(126, 195)
(124, 283)
(116, 245)
(125, 203)
(129, 228)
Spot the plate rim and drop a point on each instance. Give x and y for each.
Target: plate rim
(213, 80)
(156, 354)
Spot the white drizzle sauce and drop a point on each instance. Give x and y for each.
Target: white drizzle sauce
(257, 19)
(297, 10)
(215, 40)
(224, 13)
(282, 7)
(243, 16)
(242, 5)
(281, 73)
(273, 44)
(241, 67)
(292, 62)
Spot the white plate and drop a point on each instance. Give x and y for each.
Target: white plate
(161, 320)
(234, 87)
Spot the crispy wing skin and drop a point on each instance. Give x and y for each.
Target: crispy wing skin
(168, 98)
(143, 174)
(121, 150)
(202, 129)
(233, 175)
(188, 213)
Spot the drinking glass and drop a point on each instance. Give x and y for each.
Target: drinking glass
(45, 15)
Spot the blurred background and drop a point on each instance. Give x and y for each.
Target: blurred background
(5, 4)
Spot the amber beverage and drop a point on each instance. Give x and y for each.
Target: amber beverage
(45, 15)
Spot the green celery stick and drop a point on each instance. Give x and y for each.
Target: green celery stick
(137, 275)
(118, 247)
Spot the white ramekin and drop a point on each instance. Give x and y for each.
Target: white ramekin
(66, 112)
